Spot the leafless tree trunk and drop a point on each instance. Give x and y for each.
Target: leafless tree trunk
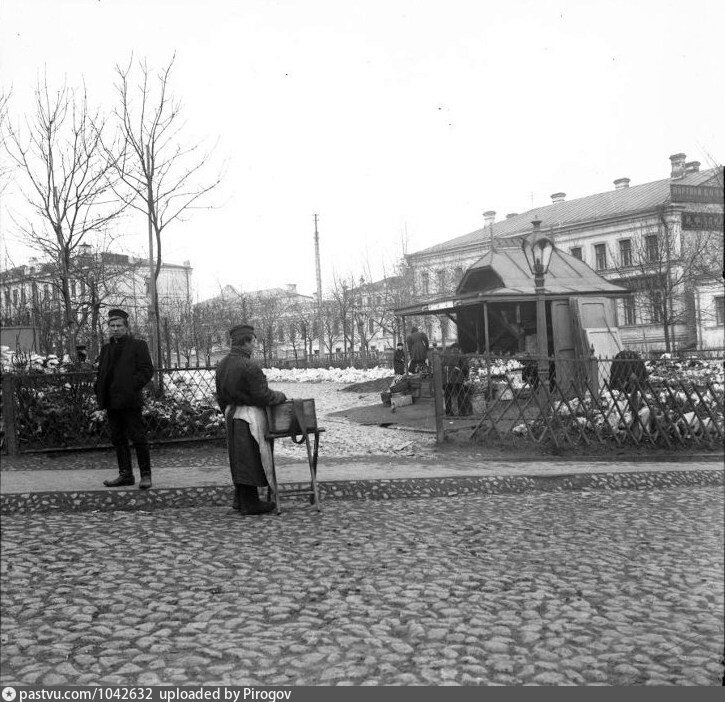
(69, 181)
(4, 128)
(164, 176)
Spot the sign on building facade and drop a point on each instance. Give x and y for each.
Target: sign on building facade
(703, 220)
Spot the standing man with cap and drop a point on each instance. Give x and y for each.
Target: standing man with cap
(243, 393)
(124, 368)
(399, 360)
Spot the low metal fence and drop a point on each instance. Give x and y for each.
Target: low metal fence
(335, 360)
(58, 411)
(571, 402)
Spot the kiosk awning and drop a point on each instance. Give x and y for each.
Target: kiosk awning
(502, 275)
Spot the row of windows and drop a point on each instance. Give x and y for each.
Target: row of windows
(19, 296)
(441, 279)
(655, 309)
(283, 334)
(651, 253)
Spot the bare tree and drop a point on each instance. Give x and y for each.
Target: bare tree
(661, 270)
(340, 295)
(69, 183)
(101, 278)
(179, 325)
(98, 279)
(212, 319)
(267, 308)
(4, 167)
(165, 175)
(299, 318)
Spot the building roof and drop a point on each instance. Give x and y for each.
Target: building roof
(503, 275)
(614, 203)
(505, 271)
(229, 291)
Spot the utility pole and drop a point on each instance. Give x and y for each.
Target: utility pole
(320, 333)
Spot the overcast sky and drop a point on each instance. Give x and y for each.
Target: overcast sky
(386, 116)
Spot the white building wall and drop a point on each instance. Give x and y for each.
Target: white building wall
(709, 314)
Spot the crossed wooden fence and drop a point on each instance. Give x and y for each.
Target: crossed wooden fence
(620, 401)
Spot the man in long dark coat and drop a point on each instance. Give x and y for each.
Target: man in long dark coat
(418, 346)
(242, 392)
(124, 368)
(399, 360)
(455, 369)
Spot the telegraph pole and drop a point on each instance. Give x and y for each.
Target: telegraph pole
(320, 333)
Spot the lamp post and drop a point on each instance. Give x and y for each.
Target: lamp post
(537, 248)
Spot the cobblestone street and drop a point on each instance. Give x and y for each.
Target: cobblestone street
(606, 587)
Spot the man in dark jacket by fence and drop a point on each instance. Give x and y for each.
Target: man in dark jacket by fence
(243, 393)
(399, 360)
(455, 374)
(124, 367)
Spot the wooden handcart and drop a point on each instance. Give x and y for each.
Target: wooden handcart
(296, 420)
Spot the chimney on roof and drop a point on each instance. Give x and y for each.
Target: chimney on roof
(621, 183)
(678, 165)
(511, 214)
(692, 167)
(489, 217)
(558, 197)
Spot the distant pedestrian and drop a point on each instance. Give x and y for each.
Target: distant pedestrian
(455, 374)
(418, 346)
(399, 360)
(124, 368)
(243, 393)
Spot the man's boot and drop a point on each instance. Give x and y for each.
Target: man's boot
(235, 500)
(249, 502)
(143, 456)
(125, 472)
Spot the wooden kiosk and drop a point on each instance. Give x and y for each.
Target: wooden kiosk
(494, 307)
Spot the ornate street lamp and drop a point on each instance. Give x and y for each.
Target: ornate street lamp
(537, 248)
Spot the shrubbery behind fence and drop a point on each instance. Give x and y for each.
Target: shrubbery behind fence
(58, 410)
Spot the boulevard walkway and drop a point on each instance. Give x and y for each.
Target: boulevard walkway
(201, 476)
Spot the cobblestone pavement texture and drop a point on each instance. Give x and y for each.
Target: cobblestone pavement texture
(617, 587)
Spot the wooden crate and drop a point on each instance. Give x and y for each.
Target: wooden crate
(399, 399)
(282, 419)
(414, 382)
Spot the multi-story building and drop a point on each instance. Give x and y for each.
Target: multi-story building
(661, 240)
(372, 326)
(31, 294)
(284, 321)
(357, 321)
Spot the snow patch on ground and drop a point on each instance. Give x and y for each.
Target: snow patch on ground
(343, 438)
